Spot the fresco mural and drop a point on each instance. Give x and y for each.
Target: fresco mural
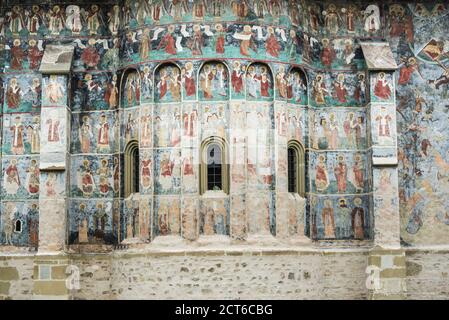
(55, 92)
(91, 222)
(170, 73)
(339, 173)
(214, 82)
(259, 83)
(22, 94)
(339, 129)
(345, 218)
(168, 84)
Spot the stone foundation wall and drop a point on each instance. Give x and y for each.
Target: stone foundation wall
(241, 275)
(16, 276)
(427, 274)
(227, 274)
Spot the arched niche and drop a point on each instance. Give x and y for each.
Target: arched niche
(130, 88)
(213, 81)
(259, 82)
(297, 91)
(167, 83)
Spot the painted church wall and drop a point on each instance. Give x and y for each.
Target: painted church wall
(240, 72)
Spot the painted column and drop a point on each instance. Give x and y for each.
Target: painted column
(50, 271)
(55, 119)
(386, 264)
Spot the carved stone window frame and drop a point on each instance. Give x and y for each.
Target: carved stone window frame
(299, 150)
(130, 173)
(224, 160)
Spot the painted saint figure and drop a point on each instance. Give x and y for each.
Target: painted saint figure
(34, 55)
(53, 130)
(86, 180)
(341, 174)
(188, 77)
(319, 90)
(33, 177)
(13, 94)
(358, 219)
(382, 88)
(11, 181)
(327, 216)
(17, 145)
(340, 88)
(85, 135)
(54, 90)
(167, 43)
(321, 175)
(17, 55)
(357, 168)
(103, 134)
(237, 78)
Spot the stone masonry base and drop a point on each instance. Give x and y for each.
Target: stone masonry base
(307, 273)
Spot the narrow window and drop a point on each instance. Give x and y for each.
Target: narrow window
(214, 169)
(296, 168)
(292, 170)
(136, 164)
(18, 226)
(132, 163)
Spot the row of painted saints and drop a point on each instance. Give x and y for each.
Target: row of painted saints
(331, 132)
(76, 20)
(12, 182)
(343, 176)
(93, 19)
(342, 222)
(173, 85)
(340, 91)
(107, 179)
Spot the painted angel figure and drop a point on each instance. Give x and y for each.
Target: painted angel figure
(372, 18)
(56, 20)
(157, 10)
(199, 9)
(54, 90)
(143, 11)
(35, 20)
(94, 19)
(275, 8)
(73, 20)
(16, 20)
(217, 8)
(114, 20)
(332, 19)
(178, 8)
(260, 8)
(127, 12)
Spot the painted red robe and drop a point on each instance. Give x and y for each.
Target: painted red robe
(264, 88)
(237, 81)
(220, 45)
(341, 172)
(34, 57)
(272, 45)
(168, 43)
(327, 56)
(405, 74)
(53, 130)
(189, 84)
(17, 56)
(382, 90)
(358, 175)
(90, 57)
(340, 92)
